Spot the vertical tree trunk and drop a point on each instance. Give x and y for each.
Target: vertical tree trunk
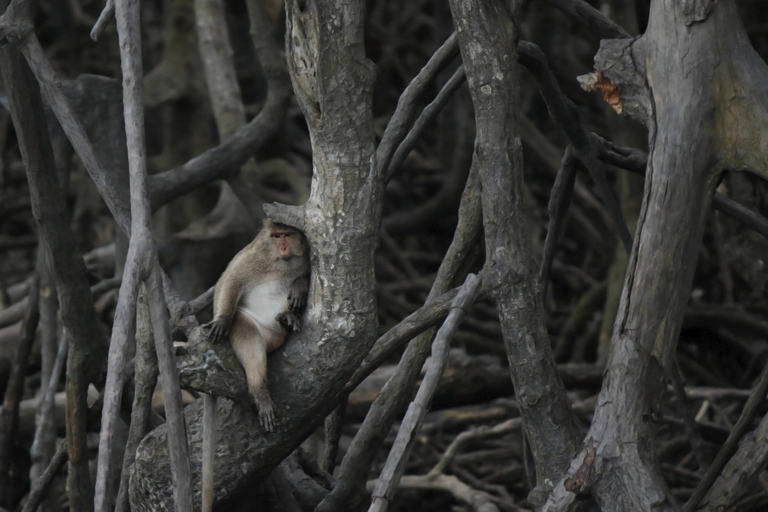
(704, 103)
(333, 83)
(488, 49)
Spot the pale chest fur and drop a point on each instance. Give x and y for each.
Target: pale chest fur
(264, 301)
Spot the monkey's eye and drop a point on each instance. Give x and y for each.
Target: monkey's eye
(275, 235)
(288, 234)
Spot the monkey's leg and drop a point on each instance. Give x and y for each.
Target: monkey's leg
(251, 349)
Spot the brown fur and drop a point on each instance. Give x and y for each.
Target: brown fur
(255, 304)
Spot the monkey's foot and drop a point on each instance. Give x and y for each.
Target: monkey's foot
(218, 330)
(296, 301)
(266, 409)
(289, 320)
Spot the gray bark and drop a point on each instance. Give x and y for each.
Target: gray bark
(487, 43)
(703, 115)
(341, 222)
(77, 311)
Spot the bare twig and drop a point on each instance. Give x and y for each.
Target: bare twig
(506, 427)
(402, 119)
(559, 200)
(731, 444)
(478, 501)
(104, 18)
(44, 444)
(603, 26)
(44, 417)
(739, 474)
(67, 117)
(636, 161)
(427, 116)
(697, 445)
(14, 313)
(9, 414)
(224, 91)
(563, 111)
(43, 483)
(414, 324)
(123, 332)
(417, 410)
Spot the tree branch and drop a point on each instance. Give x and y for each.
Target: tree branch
(417, 410)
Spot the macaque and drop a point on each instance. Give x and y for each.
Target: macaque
(256, 302)
(255, 305)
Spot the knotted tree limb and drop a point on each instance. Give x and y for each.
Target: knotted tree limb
(487, 43)
(703, 117)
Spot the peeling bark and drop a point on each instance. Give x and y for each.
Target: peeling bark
(704, 102)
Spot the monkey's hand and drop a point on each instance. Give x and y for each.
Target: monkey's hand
(266, 409)
(297, 296)
(289, 321)
(219, 330)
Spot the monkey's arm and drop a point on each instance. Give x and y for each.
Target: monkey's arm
(227, 295)
(297, 296)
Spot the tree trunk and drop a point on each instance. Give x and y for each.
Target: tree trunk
(695, 80)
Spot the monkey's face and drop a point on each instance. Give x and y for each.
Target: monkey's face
(287, 243)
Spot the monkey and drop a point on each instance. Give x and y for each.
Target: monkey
(256, 304)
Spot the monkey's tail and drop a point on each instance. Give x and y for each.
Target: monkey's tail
(209, 450)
